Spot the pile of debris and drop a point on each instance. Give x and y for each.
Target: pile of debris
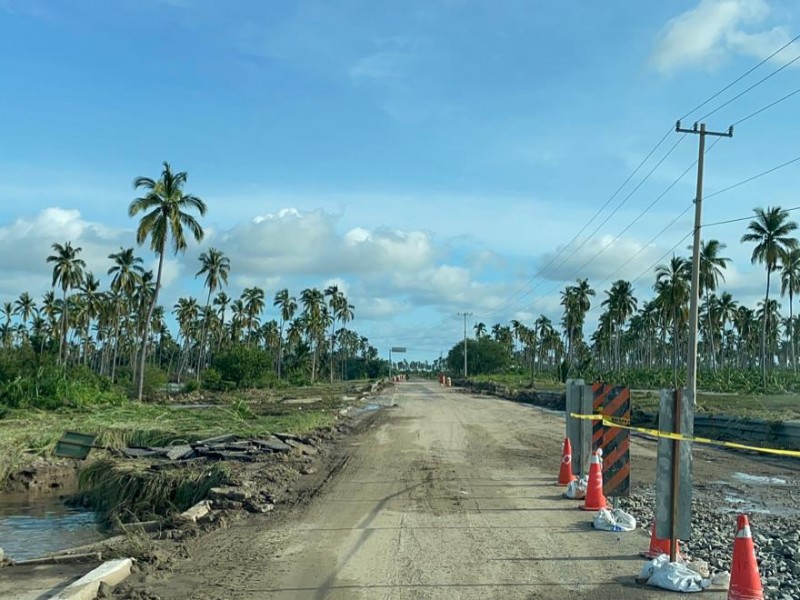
(228, 447)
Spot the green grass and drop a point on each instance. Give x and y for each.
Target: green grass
(774, 407)
(521, 382)
(25, 433)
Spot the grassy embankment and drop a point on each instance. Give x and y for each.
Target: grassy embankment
(774, 407)
(27, 433)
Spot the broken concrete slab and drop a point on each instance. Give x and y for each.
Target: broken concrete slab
(112, 573)
(273, 444)
(198, 511)
(234, 494)
(220, 439)
(306, 449)
(138, 452)
(180, 452)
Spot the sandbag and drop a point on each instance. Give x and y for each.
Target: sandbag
(576, 489)
(676, 577)
(614, 520)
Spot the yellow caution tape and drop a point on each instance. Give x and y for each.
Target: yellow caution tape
(683, 438)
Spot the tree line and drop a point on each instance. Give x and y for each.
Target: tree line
(653, 334)
(123, 328)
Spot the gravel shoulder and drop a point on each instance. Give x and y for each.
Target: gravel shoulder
(446, 495)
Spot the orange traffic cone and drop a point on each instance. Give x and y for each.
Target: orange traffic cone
(565, 475)
(658, 545)
(595, 500)
(745, 580)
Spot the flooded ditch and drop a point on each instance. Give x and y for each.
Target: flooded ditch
(36, 526)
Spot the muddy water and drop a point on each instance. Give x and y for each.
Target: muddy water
(38, 526)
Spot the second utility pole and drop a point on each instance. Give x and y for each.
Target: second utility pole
(465, 315)
(691, 362)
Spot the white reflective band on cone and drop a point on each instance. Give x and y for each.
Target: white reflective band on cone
(744, 532)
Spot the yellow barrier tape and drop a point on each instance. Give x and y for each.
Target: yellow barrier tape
(683, 438)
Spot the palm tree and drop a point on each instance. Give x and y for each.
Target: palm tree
(712, 266)
(286, 305)
(316, 320)
(127, 272)
(770, 232)
(336, 301)
(621, 305)
(24, 307)
(253, 299)
(672, 293)
(727, 310)
(790, 282)
(92, 298)
(215, 266)
(165, 206)
(480, 330)
(68, 273)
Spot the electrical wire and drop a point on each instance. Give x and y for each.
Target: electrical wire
(767, 107)
(746, 90)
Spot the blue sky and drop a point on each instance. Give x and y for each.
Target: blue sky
(429, 156)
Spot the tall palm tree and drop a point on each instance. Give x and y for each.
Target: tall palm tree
(287, 306)
(712, 266)
(621, 304)
(770, 232)
(480, 330)
(67, 273)
(216, 267)
(790, 282)
(166, 207)
(127, 272)
(727, 310)
(253, 299)
(316, 320)
(336, 300)
(673, 289)
(92, 299)
(24, 307)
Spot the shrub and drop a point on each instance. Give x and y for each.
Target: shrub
(242, 365)
(191, 386)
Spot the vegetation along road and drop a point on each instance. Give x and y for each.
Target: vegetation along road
(443, 495)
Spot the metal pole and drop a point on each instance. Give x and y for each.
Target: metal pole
(390, 363)
(676, 480)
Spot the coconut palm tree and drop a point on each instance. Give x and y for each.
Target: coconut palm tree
(166, 214)
(790, 282)
(24, 307)
(673, 288)
(727, 309)
(92, 299)
(127, 273)
(480, 330)
(68, 274)
(712, 266)
(621, 304)
(253, 299)
(216, 267)
(315, 317)
(770, 232)
(287, 306)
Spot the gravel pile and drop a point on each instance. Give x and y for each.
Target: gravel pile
(777, 541)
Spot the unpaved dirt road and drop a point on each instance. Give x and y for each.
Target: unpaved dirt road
(446, 495)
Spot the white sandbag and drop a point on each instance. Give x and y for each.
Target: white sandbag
(614, 520)
(676, 577)
(576, 489)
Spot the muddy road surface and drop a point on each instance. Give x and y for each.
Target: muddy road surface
(445, 495)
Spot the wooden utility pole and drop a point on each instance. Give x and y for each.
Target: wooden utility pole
(465, 315)
(691, 365)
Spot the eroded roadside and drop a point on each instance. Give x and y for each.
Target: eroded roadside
(263, 476)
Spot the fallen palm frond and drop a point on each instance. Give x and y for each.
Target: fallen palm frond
(131, 488)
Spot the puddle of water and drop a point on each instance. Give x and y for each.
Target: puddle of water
(30, 528)
(758, 480)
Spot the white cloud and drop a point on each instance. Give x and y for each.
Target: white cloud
(705, 35)
(308, 243)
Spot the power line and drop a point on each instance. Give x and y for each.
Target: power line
(754, 177)
(747, 218)
(742, 76)
(746, 90)
(768, 106)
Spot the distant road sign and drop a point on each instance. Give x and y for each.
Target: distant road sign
(398, 349)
